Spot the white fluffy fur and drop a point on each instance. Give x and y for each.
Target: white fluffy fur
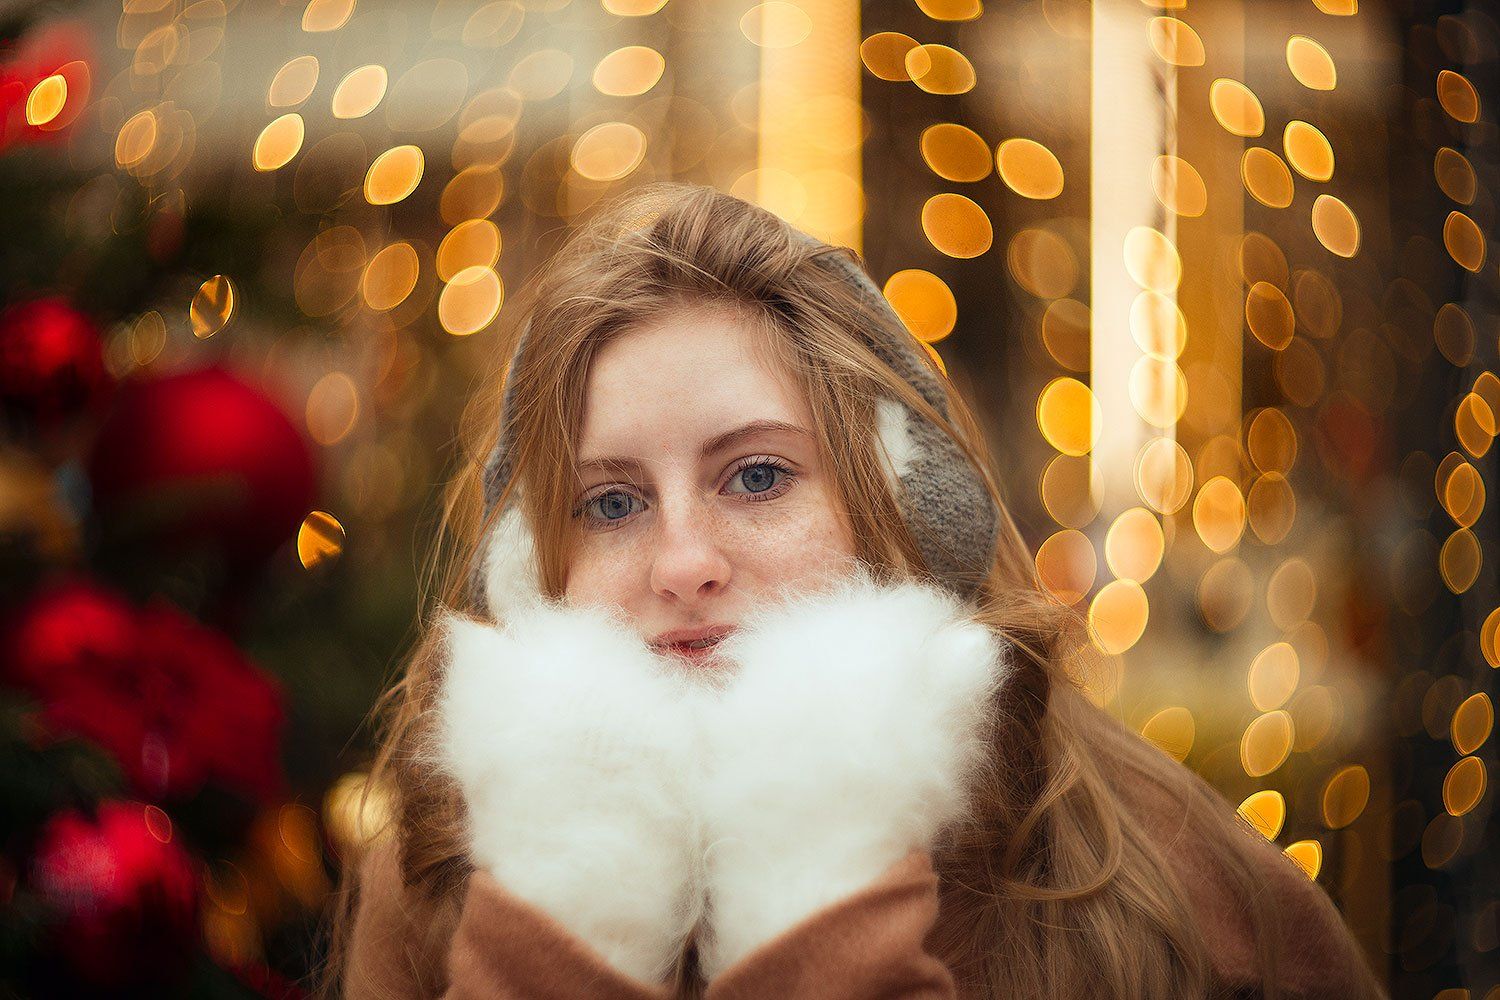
(616, 791)
(895, 438)
(846, 739)
(510, 575)
(574, 749)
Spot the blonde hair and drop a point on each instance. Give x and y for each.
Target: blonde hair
(1056, 886)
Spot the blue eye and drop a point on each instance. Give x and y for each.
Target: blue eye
(759, 474)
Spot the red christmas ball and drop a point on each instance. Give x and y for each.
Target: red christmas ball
(174, 702)
(198, 457)
(51, 362)
(126, 892)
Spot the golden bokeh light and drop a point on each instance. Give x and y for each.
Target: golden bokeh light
(1269, 315)
(1163, 475)
(390, 277)
(471, 301)
(1338, 8)
(1460, 560)
(924, 302)
(394, 175)
(955, 153)
(1474, 424)
(473, 193)
(1271, 506)
(1260, 259)
(1455, 175)
(1266, 177)
(1335, 226)
(136, 139)
(47, 98)
(1465, 242)
(1308, 151)
(1265, 811)
(326, 15)
(541, 75)
(609, 151)
(1172, 731)
(939, 69)
(1219, 514)
(1291, 593)
(1175, 42)
(475, 243)
(1225, 594)
(1307, 855)
(634, 8)
(629, 71)
(1072, 487)
(1158, 391)
(1453, 332)
(1345, 796)
(1134, 544)
(1473, 721)
(294, 82)
(1152, 260)
(884, 54)
(1271, 441)
(1267, 743)
(1236, 108)
(1158, 326)
(360, 91)
(776, 24)
(1066, 564)
(1118, 616)
(956, 225)
(1069, 416)
(1319, 307)
(1464, 785)
(1310, 63)
(1458, 96)
(1066, 329)
(278, 143)
(1273, 676)
(332, 409)
(1042, 263)
(212, 307)
(1029, 169)
(356, 812)
(1489, 638)
(1178, 186)
(951, 10)
(320, 539)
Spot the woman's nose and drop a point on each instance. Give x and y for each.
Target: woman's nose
(688, 559)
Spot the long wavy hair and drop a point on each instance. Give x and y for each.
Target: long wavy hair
(1055, 886)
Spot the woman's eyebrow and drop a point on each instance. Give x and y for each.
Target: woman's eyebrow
(712, 446)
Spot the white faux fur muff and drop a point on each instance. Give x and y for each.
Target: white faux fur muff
(617, 788)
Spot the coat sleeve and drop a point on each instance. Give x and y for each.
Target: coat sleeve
(870, 944)
(495, 946)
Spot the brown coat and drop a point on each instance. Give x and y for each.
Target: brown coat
(494, 946)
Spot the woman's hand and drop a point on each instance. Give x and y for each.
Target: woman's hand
(572, 744)
(845, 739)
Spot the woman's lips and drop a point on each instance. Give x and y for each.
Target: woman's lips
(695, 656)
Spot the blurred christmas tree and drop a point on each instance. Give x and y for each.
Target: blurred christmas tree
(174, 680)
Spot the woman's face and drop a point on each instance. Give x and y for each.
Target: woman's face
(699, 490)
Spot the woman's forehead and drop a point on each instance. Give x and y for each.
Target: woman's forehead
(681, 382)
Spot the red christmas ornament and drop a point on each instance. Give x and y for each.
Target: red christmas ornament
(51, 362)
(200, 457)
(126, 891)
(174, 702)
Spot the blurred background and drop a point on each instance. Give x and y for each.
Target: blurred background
(1215, 273)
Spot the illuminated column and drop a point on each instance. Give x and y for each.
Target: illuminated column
(810, 120)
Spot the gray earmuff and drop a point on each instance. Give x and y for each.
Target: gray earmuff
(942, 498)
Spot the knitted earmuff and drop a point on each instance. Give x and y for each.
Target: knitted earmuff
(943, 500)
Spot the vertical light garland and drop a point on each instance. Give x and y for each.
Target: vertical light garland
(809, 158)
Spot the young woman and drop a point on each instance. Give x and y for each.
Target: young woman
(742, 684)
